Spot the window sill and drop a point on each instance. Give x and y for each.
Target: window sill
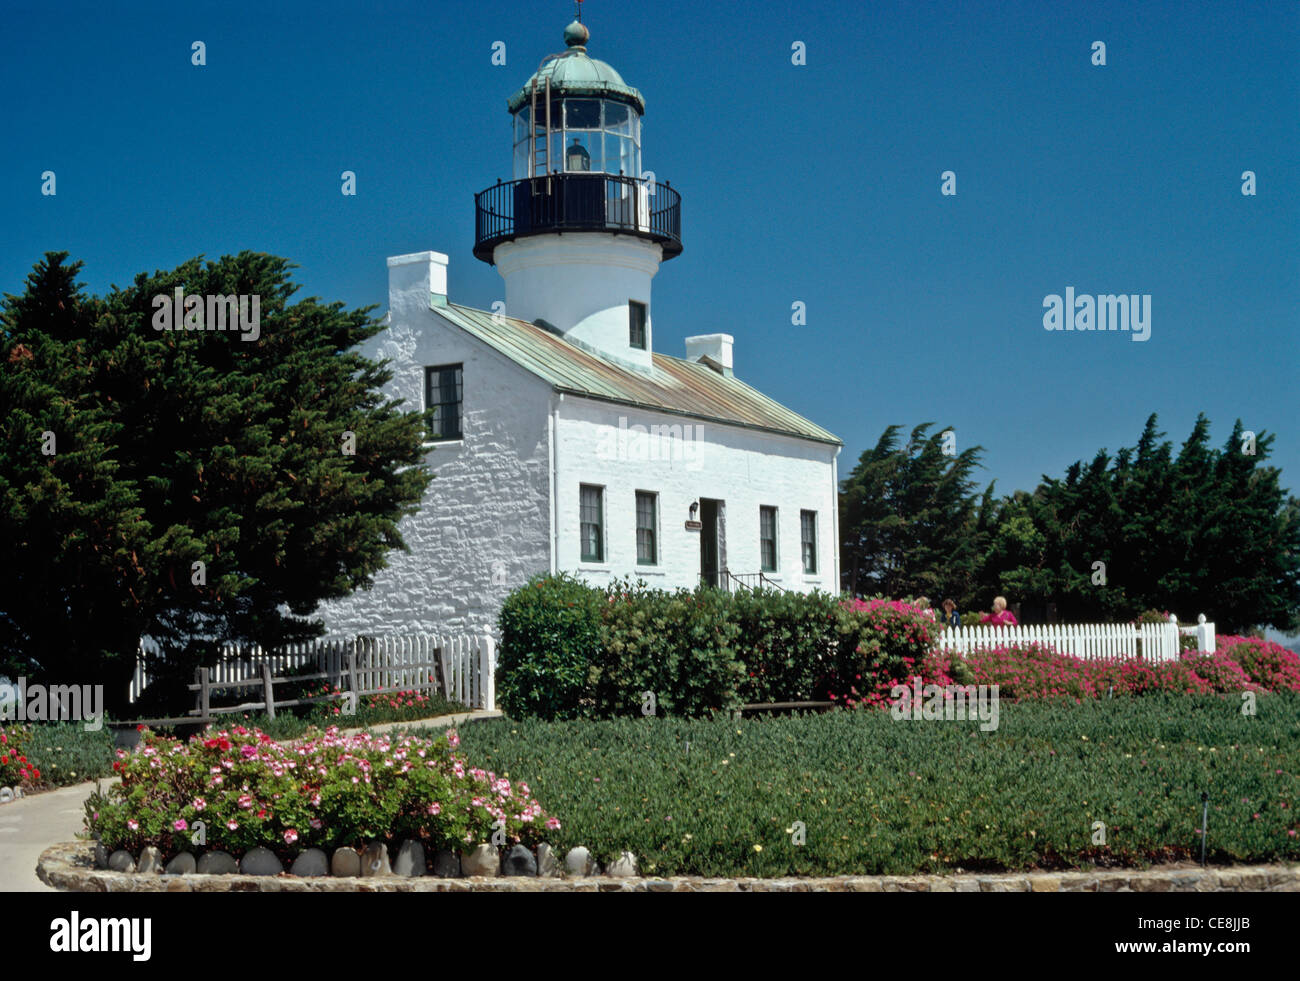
(442, 442)
(586, 565)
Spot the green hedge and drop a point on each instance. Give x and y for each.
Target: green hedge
(550, 630)
(571, 651)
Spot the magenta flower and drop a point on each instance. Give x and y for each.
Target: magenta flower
(179, 824)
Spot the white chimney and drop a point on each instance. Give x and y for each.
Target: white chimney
(716, 347)
(416, 281)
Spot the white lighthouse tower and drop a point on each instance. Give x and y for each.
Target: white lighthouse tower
(580, 231)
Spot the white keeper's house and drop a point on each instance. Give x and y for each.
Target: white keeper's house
(562, 440)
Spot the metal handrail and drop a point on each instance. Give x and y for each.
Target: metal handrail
(577, 202)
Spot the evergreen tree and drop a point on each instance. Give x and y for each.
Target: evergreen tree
(910, 522)
(200, 491)
(1208, 531)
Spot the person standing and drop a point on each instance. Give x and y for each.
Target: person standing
(950, 615)
(1001, 616)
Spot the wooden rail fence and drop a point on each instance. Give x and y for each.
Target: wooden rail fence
(458, 666)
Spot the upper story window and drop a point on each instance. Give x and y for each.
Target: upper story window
(443, 392)
(808, 540)
(767, 539)
(636, 324)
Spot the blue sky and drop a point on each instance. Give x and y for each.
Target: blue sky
(817, 183)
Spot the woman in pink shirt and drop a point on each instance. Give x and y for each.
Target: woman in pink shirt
(1001, 616)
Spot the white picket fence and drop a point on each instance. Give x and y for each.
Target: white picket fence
(468, 663)
(1090, 641)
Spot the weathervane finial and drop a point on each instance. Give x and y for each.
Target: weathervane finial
(579, 11)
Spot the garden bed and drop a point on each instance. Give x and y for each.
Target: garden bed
(879, 796)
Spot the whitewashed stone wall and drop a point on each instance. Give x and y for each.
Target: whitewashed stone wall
(744, 468)
(484, 525)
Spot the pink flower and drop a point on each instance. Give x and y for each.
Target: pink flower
(232, 824)
(290, 836)
(552, 824)
(133, 825)
(179, 824)
(199, 803)
(245, 801)
(453, 738)
(435, 808)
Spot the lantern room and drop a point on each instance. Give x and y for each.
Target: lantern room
(576, 115)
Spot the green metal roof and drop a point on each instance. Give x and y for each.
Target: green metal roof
(675, 386)
(574, 72)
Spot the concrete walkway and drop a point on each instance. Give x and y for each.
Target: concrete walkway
(32, 824)
(437, 722)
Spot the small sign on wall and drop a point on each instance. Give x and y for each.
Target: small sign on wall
(694, 525)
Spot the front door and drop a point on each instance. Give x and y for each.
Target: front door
(713, 543)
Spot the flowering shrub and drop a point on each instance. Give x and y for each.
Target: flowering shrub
(392, 706)
(329, 791)
(884, 642)
(1219, 670)
(15, 770)
(1270, 665)
(1032, 671)
(1039, 671)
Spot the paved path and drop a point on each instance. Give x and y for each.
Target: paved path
(32, 824)
(438, 722)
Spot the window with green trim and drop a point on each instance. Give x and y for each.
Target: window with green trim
(767, 538)
(592, 521)
(647, 528)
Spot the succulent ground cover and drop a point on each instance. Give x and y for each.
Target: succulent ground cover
(43, 756)
(328, 791)
(875, 795)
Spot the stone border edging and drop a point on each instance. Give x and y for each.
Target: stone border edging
(70, 867)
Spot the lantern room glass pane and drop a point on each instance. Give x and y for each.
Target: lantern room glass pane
(582, 114)
(582, 141)
(617, 118)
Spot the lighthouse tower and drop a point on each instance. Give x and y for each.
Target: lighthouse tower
(581, 229)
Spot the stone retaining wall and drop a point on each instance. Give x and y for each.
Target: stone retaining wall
(70, 867)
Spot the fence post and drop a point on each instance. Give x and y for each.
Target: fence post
(1173, 638)
(203, 694)
(269, 690)
(487, 668)
(1204, 635)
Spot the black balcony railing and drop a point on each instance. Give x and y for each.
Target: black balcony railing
(577, 202)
